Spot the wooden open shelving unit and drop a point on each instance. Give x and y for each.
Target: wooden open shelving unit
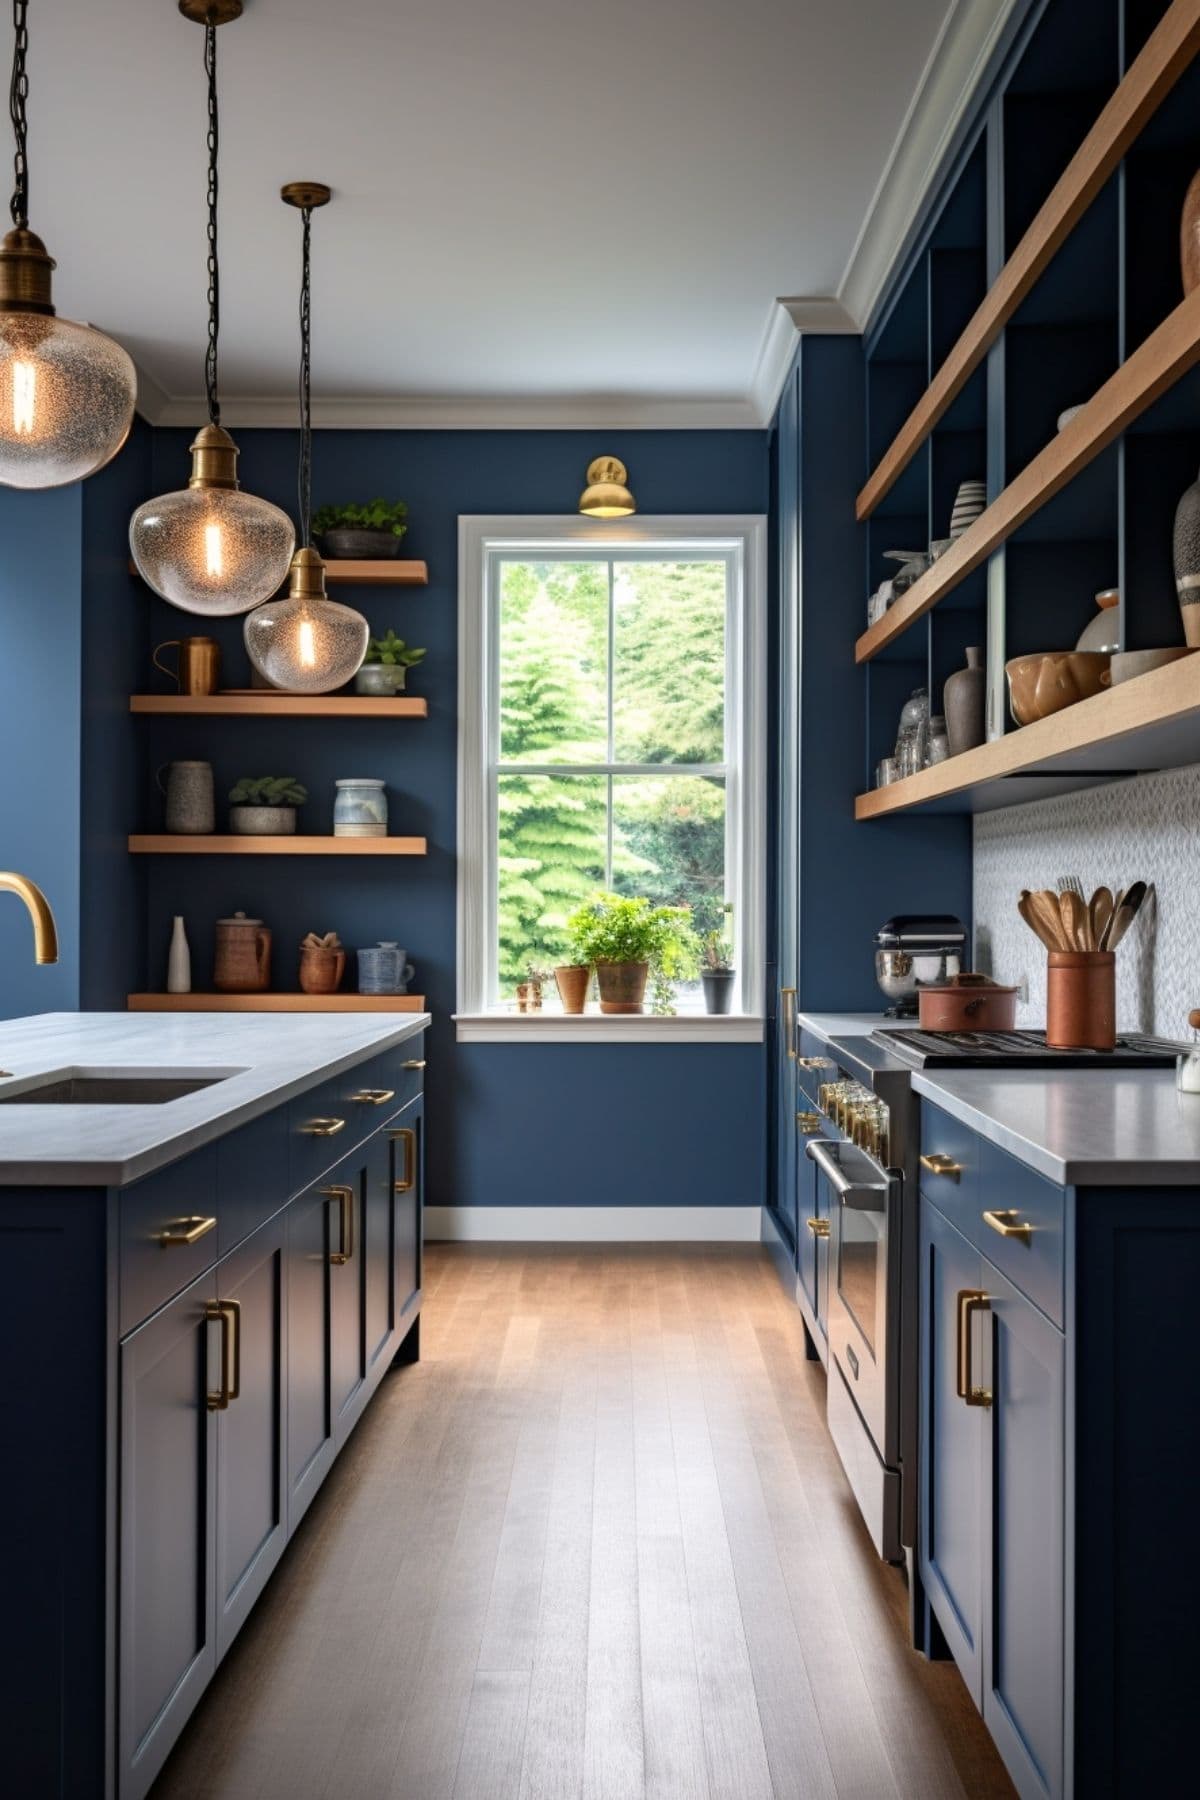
(280, 706)
(180, 844)
(277, 1003)
(387, 572)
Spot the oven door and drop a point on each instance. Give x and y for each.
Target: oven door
(863, 1201)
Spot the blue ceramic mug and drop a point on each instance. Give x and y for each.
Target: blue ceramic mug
(383, 969)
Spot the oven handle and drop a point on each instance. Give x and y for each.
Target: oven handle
(863, 1196)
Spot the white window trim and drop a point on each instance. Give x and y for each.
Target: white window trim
(478, 536)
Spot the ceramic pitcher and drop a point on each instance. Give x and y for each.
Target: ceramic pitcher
(242, 964)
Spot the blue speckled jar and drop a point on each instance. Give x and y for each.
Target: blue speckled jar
(382, 969)
(361, 808)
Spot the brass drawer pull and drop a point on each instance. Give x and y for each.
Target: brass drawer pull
(227, 1314)
(818, 1227)
(787, 997)
(970, 1301)
(374, 1096)
(323, 1127)
(937, 1164)
(408, 1137)
(809, 1123)
(814, 1062)
(1009, 1223)
(345, 1199)
(186, 1231)
(415, 1063)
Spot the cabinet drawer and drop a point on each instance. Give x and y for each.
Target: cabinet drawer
(374, 1090)
(321, 1129)
(954, 1188)
(1011, 1194)
(158, 1217)
(253, 1178)
(814, 1065)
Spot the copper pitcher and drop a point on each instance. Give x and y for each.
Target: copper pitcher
(199, 665)
(242, 963)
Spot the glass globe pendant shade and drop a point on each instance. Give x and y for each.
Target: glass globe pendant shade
(209, 548)
(66, 390)
(306, 643)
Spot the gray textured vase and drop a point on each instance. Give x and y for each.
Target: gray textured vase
(964, 702)
(1187, 562)
(190, 807)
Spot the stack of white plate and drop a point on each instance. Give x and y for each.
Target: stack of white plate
(969, 502)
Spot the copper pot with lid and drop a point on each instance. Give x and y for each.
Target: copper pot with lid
(968, 1003)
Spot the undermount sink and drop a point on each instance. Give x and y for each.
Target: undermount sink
(109, 1087)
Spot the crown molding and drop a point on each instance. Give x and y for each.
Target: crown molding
(458, 413)
(971, 33)
(816, 315)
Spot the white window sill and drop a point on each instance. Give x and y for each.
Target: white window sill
(607, 1028)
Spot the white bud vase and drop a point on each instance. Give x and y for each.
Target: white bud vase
(179, 960)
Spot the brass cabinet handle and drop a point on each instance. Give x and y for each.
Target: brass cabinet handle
(345, 1199)
(227, 1314)
(374, 1096)
(818, 1227)
(814, 1062)
(408, 1137)
(787, 996)
(1009, 1223)
(809, 1123)
(415, 1063)
(937, 1164)
(186, 1231)
(970, 1301)
(323, 1127)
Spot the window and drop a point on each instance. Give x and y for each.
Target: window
(610, 738)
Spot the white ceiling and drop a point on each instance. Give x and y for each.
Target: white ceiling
(539, 204)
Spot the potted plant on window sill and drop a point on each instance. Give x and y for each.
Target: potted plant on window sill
(385, 667)
(265, 806)
(372, 532)
(716, 970)
(627, 941)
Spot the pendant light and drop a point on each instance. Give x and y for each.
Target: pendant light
(209, 548)
(66, 390)
(306, 643)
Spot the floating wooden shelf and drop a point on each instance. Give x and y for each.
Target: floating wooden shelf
(387, 572)
(282, 706)
(178, 844)
(1150, 77)
(1154, 367)
(277, 1003)
(1152, 722)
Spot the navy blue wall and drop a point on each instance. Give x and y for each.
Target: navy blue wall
(509, 1124)
(44, 644)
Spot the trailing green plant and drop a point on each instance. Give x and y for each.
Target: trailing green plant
(375, 515)
(610, 929)
(392, 652)
(268, 790)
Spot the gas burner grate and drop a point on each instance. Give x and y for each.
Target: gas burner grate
(1028, 1049)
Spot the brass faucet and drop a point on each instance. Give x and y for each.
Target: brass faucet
(45, 936)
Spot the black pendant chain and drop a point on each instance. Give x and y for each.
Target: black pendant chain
(214, 273)
(304, 481)
(18, 94)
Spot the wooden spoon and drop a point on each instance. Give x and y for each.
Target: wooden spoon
(1074, 920)
(1125, 914)
(1044, 907)
(1100, 911)
(1040, 927)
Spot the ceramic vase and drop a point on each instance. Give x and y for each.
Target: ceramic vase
(179, 960)
(190, 806)
(1189, 236)
(965, 702)
(361, 808)
(1187, 562)
(321, 969)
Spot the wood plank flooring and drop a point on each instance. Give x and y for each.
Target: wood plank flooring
(595, 1546)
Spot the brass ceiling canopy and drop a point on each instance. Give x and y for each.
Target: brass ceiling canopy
(214, 459)
(606, 495)
(25, 269)
(306, 194)
(211, 12)
(306, 578)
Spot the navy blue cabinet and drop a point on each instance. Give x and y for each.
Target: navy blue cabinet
(312, 1236)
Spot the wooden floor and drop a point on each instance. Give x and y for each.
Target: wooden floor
(597, 1543)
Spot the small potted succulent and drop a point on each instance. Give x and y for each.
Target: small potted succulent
(265, 805)
(371, 532)
(628, 941)
(385, 666)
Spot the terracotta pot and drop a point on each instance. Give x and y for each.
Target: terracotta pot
(572, 983)
(1046, 683)
(242, 962)
(321, 969)
(1189, 236)
(1081, 1000)
(622, 986)
(968, 1003)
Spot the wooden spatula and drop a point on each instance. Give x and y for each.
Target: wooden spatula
(1044, 906)
(1039, 926)
(1100, 911)
(1074, 916)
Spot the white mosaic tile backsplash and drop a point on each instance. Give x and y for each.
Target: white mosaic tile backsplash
(1149, 828)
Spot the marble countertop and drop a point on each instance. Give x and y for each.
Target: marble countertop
(1079, 1127)
(275, 1056)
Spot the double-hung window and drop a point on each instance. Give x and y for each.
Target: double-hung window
(611, 741)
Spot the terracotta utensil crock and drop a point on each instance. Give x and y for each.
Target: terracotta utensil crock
(1081, 1000)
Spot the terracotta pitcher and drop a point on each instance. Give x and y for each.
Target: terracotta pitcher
(242, 963)
(321, 968)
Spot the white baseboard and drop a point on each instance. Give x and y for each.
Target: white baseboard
(594, 1224)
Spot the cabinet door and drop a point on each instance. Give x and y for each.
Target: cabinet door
(408, 1140)
(1023, 1642)
(952, 1439)
(311, 1231)
(346, 1191)
(251, 1492)
(379, 1253)
(167, 1483)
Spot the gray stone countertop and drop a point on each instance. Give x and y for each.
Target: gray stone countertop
(272, 1056)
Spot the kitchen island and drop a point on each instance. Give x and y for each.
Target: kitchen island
(209, 1267)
